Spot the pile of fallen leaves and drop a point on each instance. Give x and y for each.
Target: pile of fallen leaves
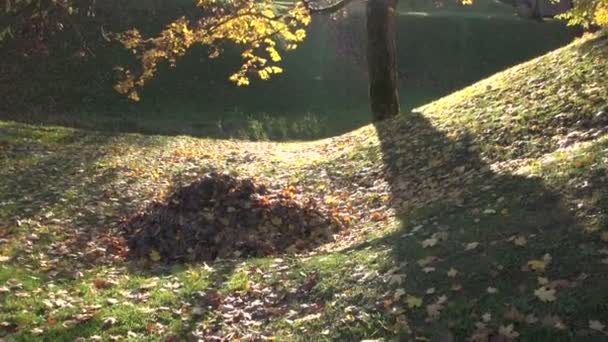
(220, 216)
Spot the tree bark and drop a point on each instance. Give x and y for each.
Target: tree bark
(382, 59)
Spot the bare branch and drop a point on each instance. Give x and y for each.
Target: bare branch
(317, 9)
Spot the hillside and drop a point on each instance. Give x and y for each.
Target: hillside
(481, 215)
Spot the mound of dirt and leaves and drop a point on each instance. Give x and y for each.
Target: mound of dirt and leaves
(220, 216)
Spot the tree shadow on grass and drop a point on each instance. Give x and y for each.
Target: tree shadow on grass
(468, 231)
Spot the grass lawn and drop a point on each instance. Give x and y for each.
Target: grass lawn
(481, 215)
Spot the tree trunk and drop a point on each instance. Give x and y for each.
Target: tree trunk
(382, 59)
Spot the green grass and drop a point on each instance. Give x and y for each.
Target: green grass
(447, 207)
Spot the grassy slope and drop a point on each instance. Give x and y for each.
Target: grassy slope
(448, 206)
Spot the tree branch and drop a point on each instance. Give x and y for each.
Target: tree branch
(314, 9)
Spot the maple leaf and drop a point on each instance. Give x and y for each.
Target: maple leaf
(531, 319)
(508, 331)
(537, 265)
(154, 255)
(413, 301)
(471, 246)
(428, 269)
(398, 294)
(426, 261)
(396, 279)
(520, 241)
(596, 325)
(434, 310)
(545, 294)
(108, 322)
(429, 242)
(553, 321)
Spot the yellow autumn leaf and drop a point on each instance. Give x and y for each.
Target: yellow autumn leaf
(300, 34)
(331, 200)
(413, 301)
(537, 265)
(268, 13)
(133, 96)
(264, 74)
(154, 255)
(276, 69)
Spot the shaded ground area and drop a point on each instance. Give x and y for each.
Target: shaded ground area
(484, 247)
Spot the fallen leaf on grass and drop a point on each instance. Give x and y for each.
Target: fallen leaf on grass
(471, 246)
(108, 322)
(508, 331)
(155, 255)
(429, 242)
(434, 310)
(513, 314)
(310, 317)
(413, 302)
(426, 261)
(539, 265)
(520, 241)
(553, 322)
(428, 269)
(396, 279)
(398, 294)
(101, 283)
(596, 325)
(452, 273)
(545, 294)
